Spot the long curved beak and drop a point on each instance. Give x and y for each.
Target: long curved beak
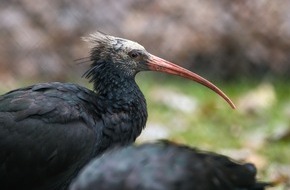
(157, 64)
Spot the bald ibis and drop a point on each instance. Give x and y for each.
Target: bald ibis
(165, 166)
(49, 131)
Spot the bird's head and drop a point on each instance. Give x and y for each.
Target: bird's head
(129, 58)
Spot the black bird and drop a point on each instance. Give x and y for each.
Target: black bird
(165, 166)
(49, 131)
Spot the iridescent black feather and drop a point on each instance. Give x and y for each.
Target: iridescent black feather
(166, 166)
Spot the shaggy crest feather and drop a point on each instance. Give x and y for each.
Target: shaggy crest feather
(99, 39)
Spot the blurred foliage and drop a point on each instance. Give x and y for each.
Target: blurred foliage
(222, 39)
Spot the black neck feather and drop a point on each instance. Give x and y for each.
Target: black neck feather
(122, 103)
(112, 83)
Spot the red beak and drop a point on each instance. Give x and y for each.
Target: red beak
(157, 64)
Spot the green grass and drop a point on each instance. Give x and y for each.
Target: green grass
(215, 126)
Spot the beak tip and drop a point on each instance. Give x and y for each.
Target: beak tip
(229, 101)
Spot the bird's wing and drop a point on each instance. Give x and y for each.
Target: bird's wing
(45, 131)
(225, 173)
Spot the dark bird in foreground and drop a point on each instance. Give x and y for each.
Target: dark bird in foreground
(49, 131)
(165, 166)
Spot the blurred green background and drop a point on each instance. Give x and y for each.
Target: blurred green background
(241, 46)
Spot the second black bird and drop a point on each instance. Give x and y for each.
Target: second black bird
(166, 166)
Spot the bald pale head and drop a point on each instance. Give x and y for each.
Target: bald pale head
(118, 53)
(126, 58)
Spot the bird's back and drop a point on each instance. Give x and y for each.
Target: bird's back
(165, 166)
(45, 135)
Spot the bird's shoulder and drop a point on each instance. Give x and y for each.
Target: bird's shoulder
(48, 101)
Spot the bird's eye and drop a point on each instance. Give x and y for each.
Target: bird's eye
(134, 54)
